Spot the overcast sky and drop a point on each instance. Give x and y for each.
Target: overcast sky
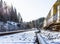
(32, 9)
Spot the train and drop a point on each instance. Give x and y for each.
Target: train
(52, 20)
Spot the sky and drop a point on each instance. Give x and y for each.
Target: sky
(32, 9)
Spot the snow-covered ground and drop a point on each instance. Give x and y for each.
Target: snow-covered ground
(19, 38)
(50, 37)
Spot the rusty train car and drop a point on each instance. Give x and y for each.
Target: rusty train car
(52, 21)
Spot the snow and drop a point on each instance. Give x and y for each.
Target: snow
(19, 38)
(50, 37)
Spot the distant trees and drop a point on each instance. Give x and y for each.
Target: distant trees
(41, 22)
(36, 23)
(20, 18)
(13, 15)
(8, 13)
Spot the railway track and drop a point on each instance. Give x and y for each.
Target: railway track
(12, 32)
(19, 38)
(41, 40)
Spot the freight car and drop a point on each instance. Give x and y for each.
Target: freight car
(52, 21)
